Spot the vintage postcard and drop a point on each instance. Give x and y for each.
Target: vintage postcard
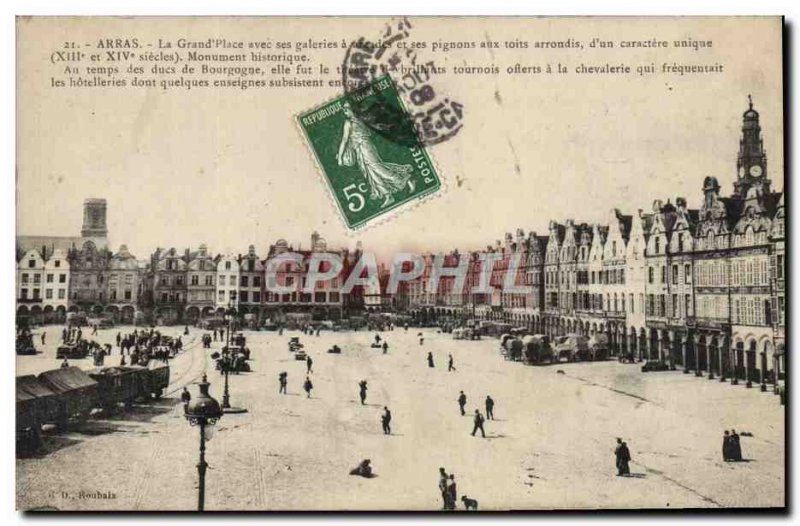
(453, 264)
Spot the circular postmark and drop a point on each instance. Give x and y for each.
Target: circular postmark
(426, 119)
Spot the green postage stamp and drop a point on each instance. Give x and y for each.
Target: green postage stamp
(366, 148)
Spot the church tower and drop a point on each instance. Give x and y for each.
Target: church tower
(94, 221)
(751, 163)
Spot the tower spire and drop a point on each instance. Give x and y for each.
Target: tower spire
(750, 101)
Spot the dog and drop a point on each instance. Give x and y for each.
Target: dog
(560, 372)
(470, 504)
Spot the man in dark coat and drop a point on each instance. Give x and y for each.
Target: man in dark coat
(736, 447)
(450, 366)
(282, 378)
(478, 421)
(443, 478)
(186, 397)
(489, 408)
(386, 419)
(309, 363)
(430, 360)
(623, 458)
(308, 386)
(462, 401)
(726, 447)
(451, 493)
(362, 391)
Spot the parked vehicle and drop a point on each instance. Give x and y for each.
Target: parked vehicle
(76, 391)
(536, 349)
(599, 347)
(300, 355)
(294, 344)
(73, 351)
(573, 347)
(513, 348)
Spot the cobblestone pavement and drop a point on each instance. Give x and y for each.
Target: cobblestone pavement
(551, 445)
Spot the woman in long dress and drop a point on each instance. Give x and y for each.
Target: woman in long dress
(357, 149)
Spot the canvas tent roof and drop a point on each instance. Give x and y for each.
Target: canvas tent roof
(66, 380)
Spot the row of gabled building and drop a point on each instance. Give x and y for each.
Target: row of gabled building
(61, 275)
(702, 288)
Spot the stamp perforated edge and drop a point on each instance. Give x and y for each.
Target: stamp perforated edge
(386, 217)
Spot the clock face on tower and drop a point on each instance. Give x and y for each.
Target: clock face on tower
(755, 171)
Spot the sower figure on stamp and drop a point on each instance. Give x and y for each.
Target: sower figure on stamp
(357, 149)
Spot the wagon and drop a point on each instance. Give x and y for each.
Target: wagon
(536, 349)
(72, 351)
(573, 347)
(158, 379)
(36, 405)
(75, 389)
(119, 385)
(512, 349)
(598, 346)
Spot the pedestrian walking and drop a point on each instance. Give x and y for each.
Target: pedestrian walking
(186, 397)
(727, 454)
(430, 360)
(307, 387)
(386, 419)
(309, 363)
(489, 408)
(623, 456)
(443, 478)
(282, 379)
(462, 401)
(119, 340)
(385, 347)
(43, 336)
(450, 366)
(736, 447)
(451, 492)
(478, 421)
(362, 391)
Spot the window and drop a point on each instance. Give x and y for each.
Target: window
(687, 308)
(222, 281)
(195, 279)
(333, 297)
(244, 281)
(256, 281)
(256, 297)
(319, 297)
(24, 278)
(23, 294)
(48, 294)
(779, 269)
(289, 281)
(31, 263)
(233, 295)
(57, 263)
(680, 242)
(62, 278)
(113, 294)
(128, 294)
(209, 281)
(244, 296)
(49, 278)
(687, 273)
(62, 293)
(675, 306)
(663, 274)
(674, 274)
(657, 245)
(164, 297)
(221, 296)
(650, 274)
(662, 305)
(227, 265)
(179, 280)
(251, 265)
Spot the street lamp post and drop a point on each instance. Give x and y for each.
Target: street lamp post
(227, 363)
(203, 411)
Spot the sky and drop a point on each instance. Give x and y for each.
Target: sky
(230, 168)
